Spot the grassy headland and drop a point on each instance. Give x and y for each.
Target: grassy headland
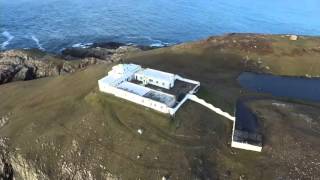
(66, 119)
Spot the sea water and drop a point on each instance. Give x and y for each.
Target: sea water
(56, 24)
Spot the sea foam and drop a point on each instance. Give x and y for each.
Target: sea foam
(35, 39)
(82, 45)
(9, 38)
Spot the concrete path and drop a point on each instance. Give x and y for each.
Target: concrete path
(210, 106)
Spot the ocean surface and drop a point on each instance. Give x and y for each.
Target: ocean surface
(55, 24)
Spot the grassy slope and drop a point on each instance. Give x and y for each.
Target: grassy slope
(59, 110)
(62, 109)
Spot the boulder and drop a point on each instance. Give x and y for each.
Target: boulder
(25, 73)
(293, 37)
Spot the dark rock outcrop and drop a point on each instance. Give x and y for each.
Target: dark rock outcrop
(84, 53)
(27, 65)
(107, 45)
(21, 65)
(103, 52)
(25, 73)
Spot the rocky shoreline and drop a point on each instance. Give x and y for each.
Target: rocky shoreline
(22, 65)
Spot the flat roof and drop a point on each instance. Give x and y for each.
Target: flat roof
(110, 79)
(245, 119)
(133, 88)
(126, 67)
(124, 70)
(147, 93)
(167, 99)
(157, 74)
(247, 127)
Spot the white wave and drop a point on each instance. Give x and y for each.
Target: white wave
(9, 38)
(82, 45)
(157, 45)
(160, 44)
(35, 39)
(153, 42)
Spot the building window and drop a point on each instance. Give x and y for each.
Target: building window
(157, 82)
(150, 80)
(163, 84)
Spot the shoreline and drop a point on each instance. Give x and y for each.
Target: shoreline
(257, 52)
(154, 45)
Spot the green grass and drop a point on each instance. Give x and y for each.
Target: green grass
(49, 114)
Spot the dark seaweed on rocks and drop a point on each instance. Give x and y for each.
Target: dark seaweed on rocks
(107, 45)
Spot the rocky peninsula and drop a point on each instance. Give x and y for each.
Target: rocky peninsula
(59, 126)
(21, 65)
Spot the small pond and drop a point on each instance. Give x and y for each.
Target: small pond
(282, 86)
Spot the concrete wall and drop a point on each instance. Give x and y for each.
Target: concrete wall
(175, 109)
(246, 146)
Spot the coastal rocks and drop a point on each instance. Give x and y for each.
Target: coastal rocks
(22, 65)
(27, 65)
(114, 53)
(122, 51)
(25, 73)
(107, 45)
(84, 53)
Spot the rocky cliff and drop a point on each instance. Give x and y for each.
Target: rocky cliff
(16, 65)
(14, 165)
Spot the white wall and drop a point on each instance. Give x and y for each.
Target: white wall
(174, 110)
(154, 81)
(210, 106)
(246, 146)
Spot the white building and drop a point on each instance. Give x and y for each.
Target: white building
(155, 77)
(122, 80)
(132, 82)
